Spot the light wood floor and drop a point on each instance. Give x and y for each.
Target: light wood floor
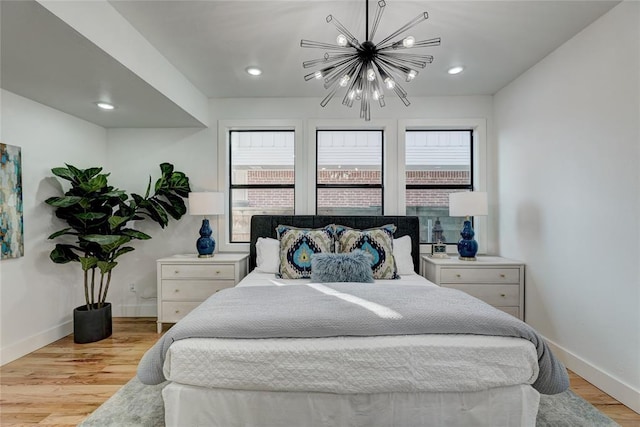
(63, 382)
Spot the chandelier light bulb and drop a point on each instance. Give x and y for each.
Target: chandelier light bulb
(344, 80)
(371, 75)
(376, 94)
(341, 40)
(352, 94)
(411, 75)
(409, 41)
(390, 83)
(318, 74)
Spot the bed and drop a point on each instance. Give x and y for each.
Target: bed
(288, 352)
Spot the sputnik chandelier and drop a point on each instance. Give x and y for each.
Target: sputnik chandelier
(366, 69)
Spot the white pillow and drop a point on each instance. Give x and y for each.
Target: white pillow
(402, 254)
(267, 255)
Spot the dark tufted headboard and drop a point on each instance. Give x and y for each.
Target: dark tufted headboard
(265, 226)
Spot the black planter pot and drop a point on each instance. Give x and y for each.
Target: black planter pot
(91, 325)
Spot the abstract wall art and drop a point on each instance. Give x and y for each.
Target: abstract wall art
(11, 227)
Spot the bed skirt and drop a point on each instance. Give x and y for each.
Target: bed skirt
(504, 406)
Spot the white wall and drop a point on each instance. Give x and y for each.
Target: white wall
(134, 154)
(568, 154)
(38, 296)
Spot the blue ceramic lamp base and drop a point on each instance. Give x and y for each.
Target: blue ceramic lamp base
(205, 244)
(467, 246)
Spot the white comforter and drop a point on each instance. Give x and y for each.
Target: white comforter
(352, 364)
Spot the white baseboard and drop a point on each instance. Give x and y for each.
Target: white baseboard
(34, 342)
(135, 310)
(614, 387)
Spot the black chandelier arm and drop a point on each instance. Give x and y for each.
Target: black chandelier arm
(351, 39)
(314, 62)
(327, 98)
(376, 19)
(333, 77)
(326, 59)
(415, 62)
(320, 45)
(386, 71)
(356, 84)
(415, 21)
(326, 71)
(398, 45)
(395, 66)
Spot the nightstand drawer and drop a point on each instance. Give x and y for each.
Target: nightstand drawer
(195, 271)
(192, 290)
(496, 295)
(480, 275)
(174, 311)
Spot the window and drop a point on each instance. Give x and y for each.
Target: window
(438, 162)
(349, 172)
(261, 178)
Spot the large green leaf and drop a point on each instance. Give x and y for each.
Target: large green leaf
(171, 210)
(63, 173)
(135, 234)
(123, 250)
(63, 202)
(88, 262)
(166, 168)
(106, 266)
(77, 173)
(89, 216)
(110, 245)
(102, 239)
(95, 184)
(90, 173)
(63, 254)
(116, 221)
(62, 232)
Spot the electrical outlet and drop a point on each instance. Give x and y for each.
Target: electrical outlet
(132, 287)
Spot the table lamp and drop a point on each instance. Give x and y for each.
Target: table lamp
(206, 203)
(468, 204)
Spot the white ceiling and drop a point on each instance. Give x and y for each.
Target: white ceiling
(212, 42)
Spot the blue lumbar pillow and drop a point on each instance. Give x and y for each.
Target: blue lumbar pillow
(341, 267)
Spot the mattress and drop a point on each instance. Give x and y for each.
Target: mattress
(343, 365)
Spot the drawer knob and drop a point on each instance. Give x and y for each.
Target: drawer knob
(503, 295)
(457, 275)
(502, 275)
(176, 290)
(177, 311)
(177, 271)
(217, 271)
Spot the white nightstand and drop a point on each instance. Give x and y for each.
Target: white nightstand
(184, 281)
(495, 280)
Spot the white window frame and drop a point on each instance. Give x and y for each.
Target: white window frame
(479, 128)
(389, 156)
(224, 165)
(394, 150)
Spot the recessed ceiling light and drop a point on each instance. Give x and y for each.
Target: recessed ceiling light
(254, 71)
(105, 105)
(455, 70)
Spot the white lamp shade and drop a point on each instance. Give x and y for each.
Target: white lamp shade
(206, 203)
(468, 203)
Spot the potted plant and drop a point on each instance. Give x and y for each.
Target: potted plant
(99, 231)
